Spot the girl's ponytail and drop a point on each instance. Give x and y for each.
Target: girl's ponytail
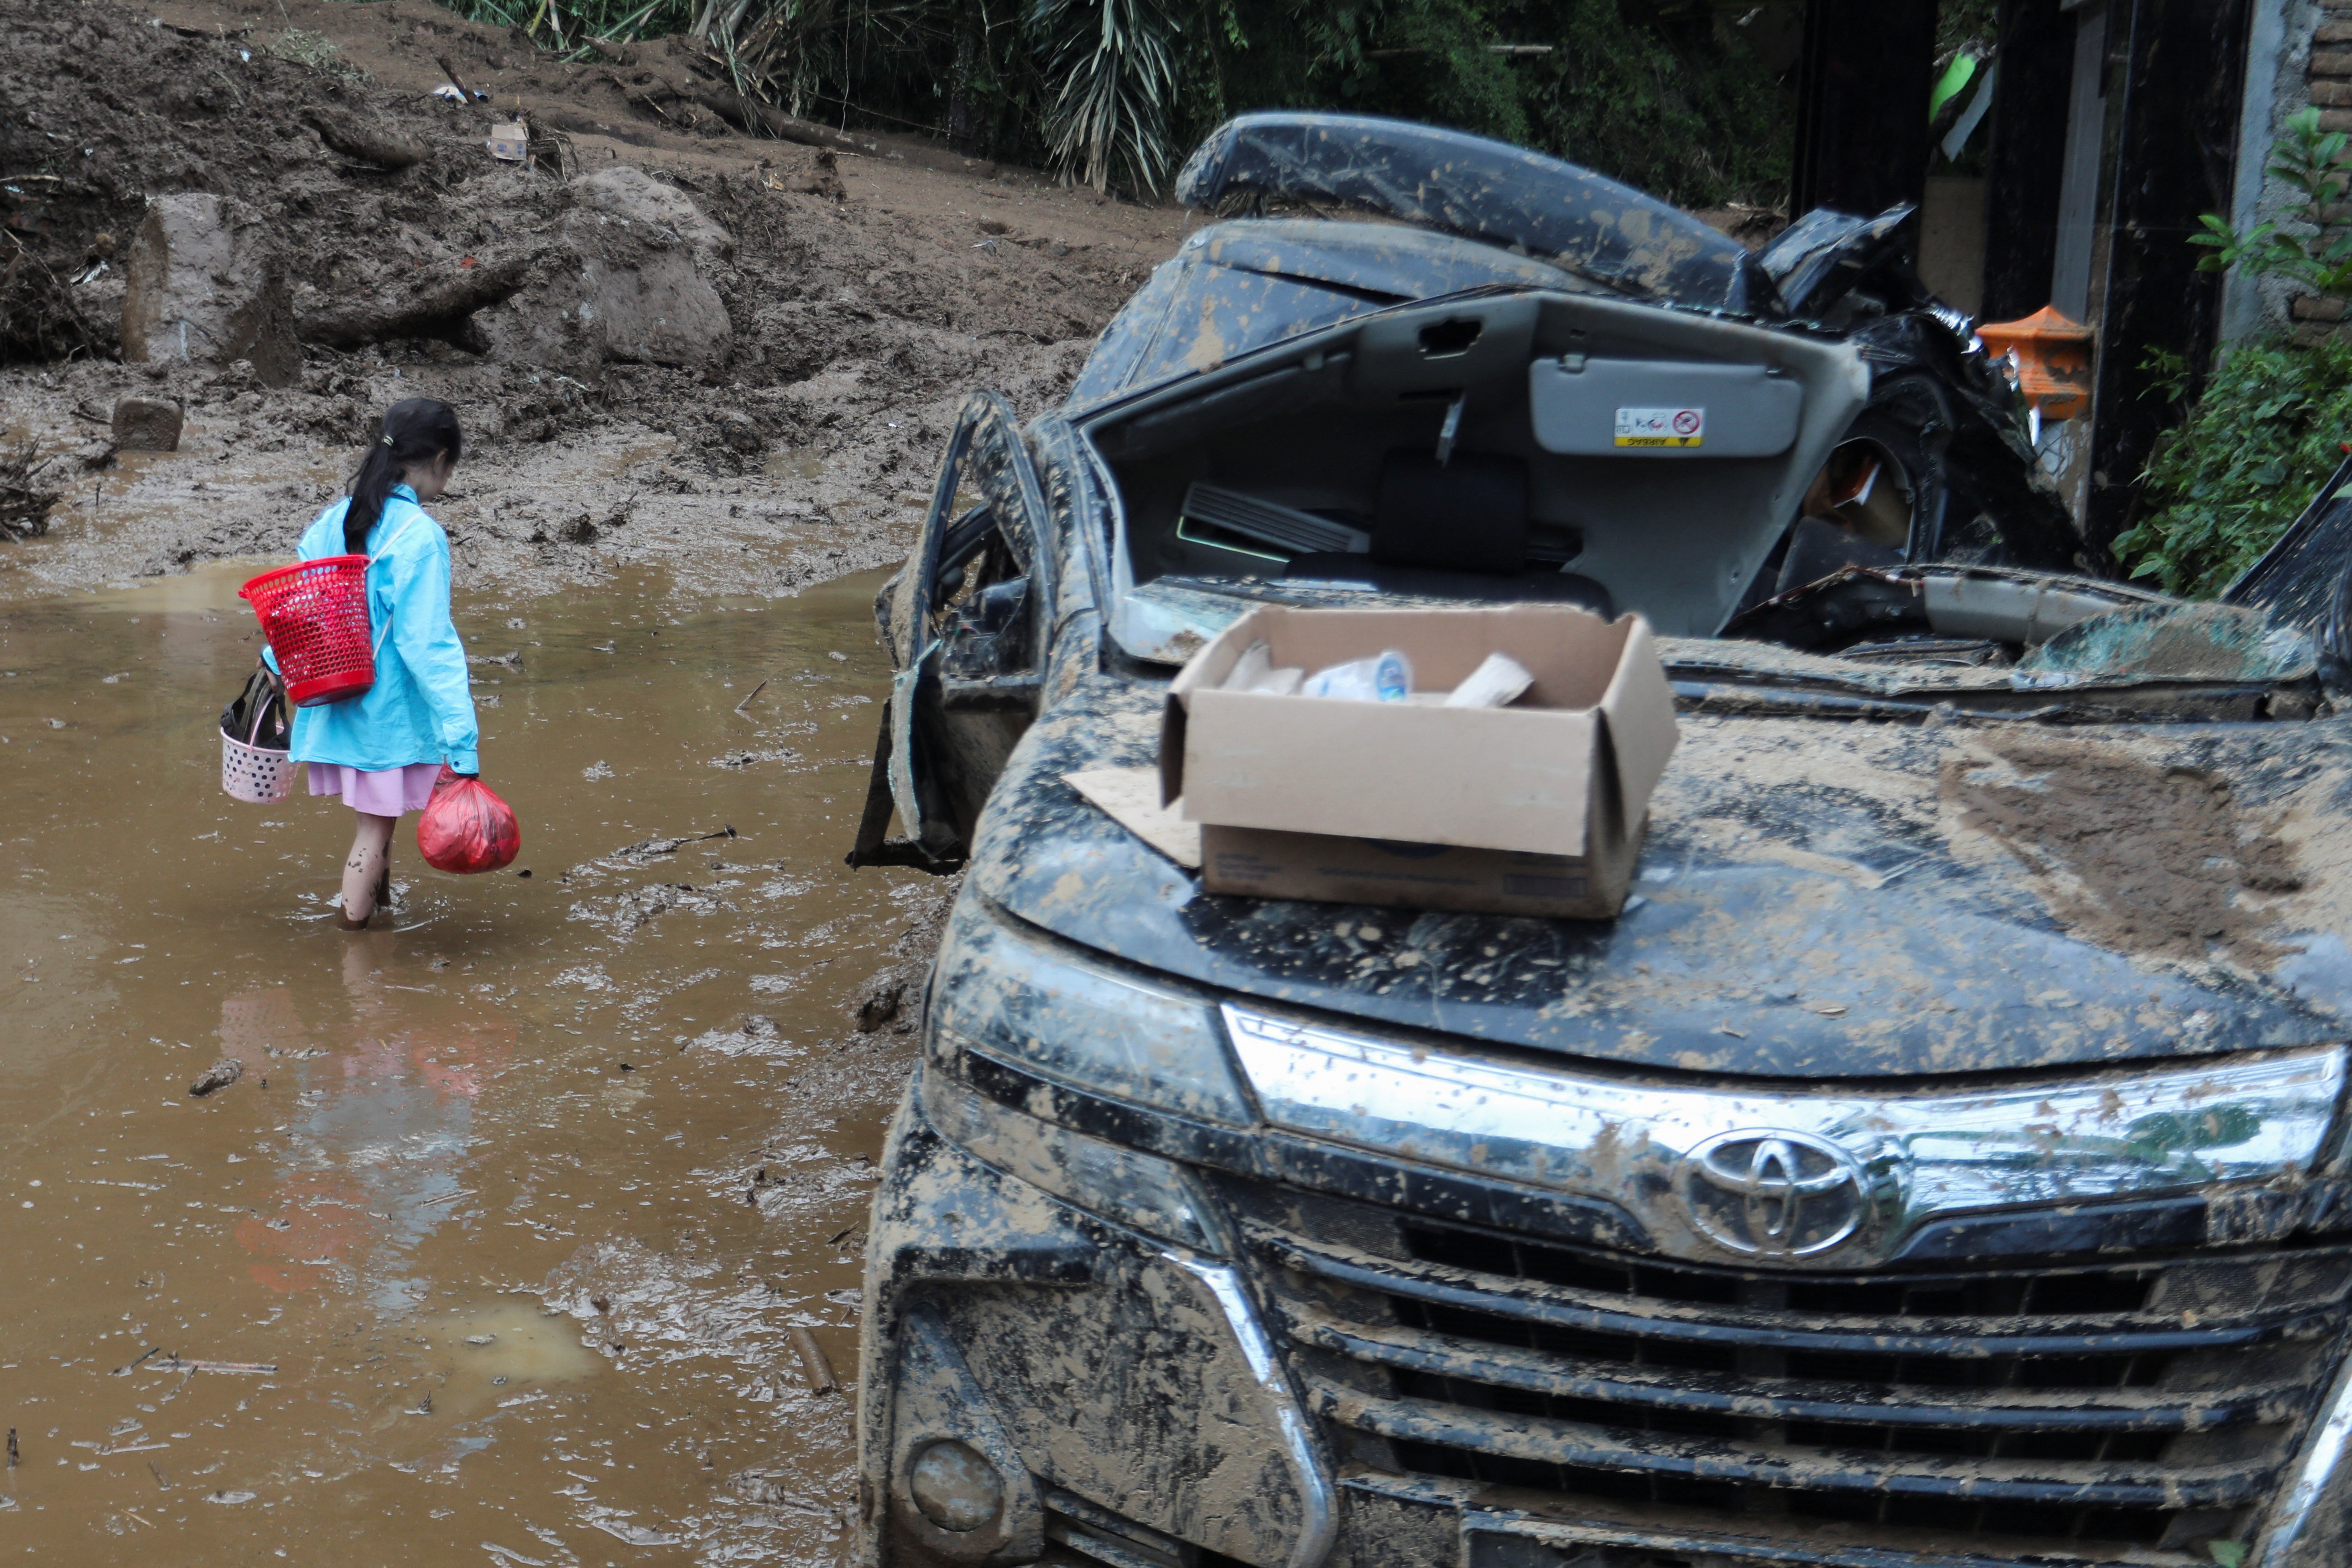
(416, 431)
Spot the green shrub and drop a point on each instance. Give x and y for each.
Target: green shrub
(2273, 423)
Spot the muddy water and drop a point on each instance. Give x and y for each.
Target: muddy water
(494, 1252)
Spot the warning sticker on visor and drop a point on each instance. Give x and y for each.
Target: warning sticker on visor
(1661, 426)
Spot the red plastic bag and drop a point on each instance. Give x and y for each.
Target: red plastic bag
(465, 828)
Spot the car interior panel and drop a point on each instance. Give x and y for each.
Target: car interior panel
(1498, 449)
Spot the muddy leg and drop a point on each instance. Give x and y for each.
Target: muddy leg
(364, 868)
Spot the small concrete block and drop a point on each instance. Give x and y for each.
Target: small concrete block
(147, 425)
(2331, 62)
(2336, 120)
(2305, 308)
(2331, 93)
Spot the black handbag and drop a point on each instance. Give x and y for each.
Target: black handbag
(257, 715)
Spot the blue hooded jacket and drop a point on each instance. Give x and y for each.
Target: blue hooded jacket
(421, 708)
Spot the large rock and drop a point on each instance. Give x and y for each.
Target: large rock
(625, 191)
(203, 285)
(617, 289)
(147, 425)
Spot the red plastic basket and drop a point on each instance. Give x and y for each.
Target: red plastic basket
(315, 614)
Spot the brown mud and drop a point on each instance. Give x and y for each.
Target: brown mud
(863, 296)
(2135, 857)
(495, 1247)
(508, 1240)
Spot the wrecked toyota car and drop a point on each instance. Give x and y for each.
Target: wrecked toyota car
(1940, 1159)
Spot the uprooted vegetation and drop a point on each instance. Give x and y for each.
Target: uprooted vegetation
(27, 492)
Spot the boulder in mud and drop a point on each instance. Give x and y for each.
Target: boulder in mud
(147, 425)
(205, 286)
(625, 191)
(617, 290)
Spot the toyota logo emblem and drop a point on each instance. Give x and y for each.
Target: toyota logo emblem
(1772, 1196)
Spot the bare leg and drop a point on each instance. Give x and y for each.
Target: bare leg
(366, 869)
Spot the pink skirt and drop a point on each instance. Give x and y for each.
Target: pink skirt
(385, 793)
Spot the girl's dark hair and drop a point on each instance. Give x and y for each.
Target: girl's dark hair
(416, 431)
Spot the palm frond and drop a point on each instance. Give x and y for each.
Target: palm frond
(1116, 63)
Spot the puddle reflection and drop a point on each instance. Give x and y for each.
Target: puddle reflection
(373, 1161)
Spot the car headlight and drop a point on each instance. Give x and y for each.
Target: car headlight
(1142, 1191)
(1029, 999)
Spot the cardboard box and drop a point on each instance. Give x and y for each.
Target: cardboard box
(1533, 809)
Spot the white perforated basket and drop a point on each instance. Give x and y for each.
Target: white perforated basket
(255, 775)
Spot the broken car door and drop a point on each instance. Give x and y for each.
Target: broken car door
(967, 619)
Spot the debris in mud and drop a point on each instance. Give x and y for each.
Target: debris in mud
(813, 1367)
(629, 1530)
(757, 1036)
(440, 304)
(39, 318)
(2132, 855)
(654, 847)
(880, 1005)
(247, 1368)
(510, 142)
(219, 1076)
(26, 498)
(633, 909)
(818, 174)
(767, 1488)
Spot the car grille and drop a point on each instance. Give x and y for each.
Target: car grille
(2109, 1406)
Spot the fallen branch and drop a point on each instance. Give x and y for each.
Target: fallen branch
(760, 120)
(436, 309)
(177, 1364)
(747, 701)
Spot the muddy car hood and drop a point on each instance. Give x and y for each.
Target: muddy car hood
(1816, 899)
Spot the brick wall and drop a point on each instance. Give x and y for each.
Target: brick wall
(2330, 78)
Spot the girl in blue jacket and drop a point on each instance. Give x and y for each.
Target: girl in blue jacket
(382, 751)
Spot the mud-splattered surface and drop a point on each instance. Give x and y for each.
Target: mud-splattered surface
(2135, 857)
(494, 1251)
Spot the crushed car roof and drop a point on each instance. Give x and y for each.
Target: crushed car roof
(1488, 191)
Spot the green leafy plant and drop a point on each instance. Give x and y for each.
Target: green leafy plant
(1115, 62)
(564, 27)
(1667, 95)
(2315, 163)
(2271, 424)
